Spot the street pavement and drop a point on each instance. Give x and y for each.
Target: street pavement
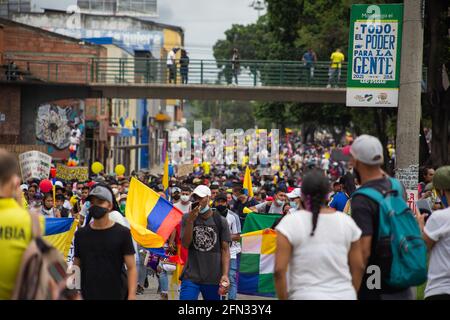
(150, 292)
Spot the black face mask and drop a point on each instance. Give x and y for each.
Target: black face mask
(223, 210)
(97, 212)
(176, 197)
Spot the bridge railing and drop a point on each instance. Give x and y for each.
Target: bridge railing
(215, 72)
(249, 73)
(47, 70)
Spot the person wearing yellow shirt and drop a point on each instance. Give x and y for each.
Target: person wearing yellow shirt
(15, 224)
(336, 58)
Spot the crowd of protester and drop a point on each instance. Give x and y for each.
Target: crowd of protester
(327, 234)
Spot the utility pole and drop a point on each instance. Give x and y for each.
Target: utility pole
(409, 107)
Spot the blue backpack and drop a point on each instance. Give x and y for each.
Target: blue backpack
(404, 260)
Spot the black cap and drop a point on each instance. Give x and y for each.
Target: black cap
(221, 197)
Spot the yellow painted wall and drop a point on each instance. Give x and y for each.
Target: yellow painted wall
(172, 39)
(116, 52)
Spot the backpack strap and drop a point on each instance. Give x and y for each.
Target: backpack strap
(36, 231)
(396, 185)
(370, 193)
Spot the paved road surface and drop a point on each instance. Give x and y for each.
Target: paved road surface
(150, 293)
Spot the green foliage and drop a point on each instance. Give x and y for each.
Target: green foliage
(221, 114)
(288, 29)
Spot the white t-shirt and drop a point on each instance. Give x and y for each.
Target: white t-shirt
(170, 57)
(438, 230)
(67, 205)
(184, 208)
(325, 164)
(235, 247)
(119, 218)
(318, 269)
(261, 208)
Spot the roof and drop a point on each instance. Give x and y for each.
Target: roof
(149, 22)
(4, 21)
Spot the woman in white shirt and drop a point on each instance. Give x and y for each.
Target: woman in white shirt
(320, 246)
(436, 233)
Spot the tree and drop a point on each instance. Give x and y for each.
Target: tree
(292, 26)
(221, 114)
(437, 59)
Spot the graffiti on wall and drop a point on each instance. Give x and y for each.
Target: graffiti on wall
(55, 122)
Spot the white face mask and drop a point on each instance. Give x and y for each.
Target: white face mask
(184, 198)
(115, 191)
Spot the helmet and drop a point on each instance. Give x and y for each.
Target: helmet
(441, 179)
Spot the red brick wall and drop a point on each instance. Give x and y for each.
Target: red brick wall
(10, 108)
(32, 49)
(2, 32)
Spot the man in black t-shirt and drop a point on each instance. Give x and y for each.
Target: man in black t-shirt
(102, 250)
(367, 158)
(207, 236)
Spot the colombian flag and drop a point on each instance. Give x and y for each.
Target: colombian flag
(152, 218)
(165, 179)
(248, 188)
(59, 233)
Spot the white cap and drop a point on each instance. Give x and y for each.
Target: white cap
(296, 193)
(176, 189)
(202, 191)
(368, 150)
(23, 187)
(59, 184)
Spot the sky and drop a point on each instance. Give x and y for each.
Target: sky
(203, 21)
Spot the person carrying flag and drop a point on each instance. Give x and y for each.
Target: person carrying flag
(206, 234)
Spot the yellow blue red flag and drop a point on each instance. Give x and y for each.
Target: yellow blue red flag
(152, 218)
(248, 188)
(165, 179)
(59, 232)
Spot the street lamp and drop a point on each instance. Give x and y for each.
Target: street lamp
(258, 5)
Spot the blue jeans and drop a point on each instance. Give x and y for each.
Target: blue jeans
(190, 291)
(142, 269)
(232, 276)
(163, 282)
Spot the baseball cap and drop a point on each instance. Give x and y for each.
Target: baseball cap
(23, 187)
(101, 193)
(176, 189)
(368, 150)
(221, 197)
(202, 191)
(296, 193)
(441, 178)
(59, 184)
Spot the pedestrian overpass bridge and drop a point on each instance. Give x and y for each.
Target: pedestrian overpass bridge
(148, 78)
